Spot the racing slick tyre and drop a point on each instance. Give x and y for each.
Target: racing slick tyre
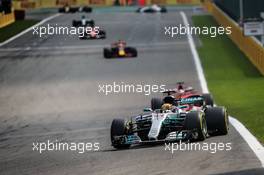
(132, 51)
(103, 34)
(92, 23)
(163, 10)
(156, 103)
(75, 23)
(195, 121)
(208, 99)
(61, 10)
(118, 129)
(107, 53)
(217, 120)
(87, 9)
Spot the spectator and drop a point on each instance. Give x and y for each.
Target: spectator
(6, 6)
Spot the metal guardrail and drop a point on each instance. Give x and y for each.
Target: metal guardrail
(250, 46)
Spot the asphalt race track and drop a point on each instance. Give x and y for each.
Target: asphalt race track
(49, 91)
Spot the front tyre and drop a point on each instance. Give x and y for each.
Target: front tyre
(217, 120)
(208, 99)
(132, 51)
(195, 121)
(156, 103)
(118, 129)
(107, 53)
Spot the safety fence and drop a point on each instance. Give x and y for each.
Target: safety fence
(173, 2)
(252, 48)
(6, 19)
(30, 4)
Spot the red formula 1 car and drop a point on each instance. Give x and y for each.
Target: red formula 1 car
(68, 9)
(188, 91)
(180, 93)
(120, 50)
(94, 33)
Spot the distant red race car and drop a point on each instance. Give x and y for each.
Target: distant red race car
(120, 50)
(95, 33)
(188, 91)
(179, 94)
(68, 9)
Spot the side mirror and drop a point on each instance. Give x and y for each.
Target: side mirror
(147, 110)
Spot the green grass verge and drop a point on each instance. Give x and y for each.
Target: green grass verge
(232, 79)
(15, 28)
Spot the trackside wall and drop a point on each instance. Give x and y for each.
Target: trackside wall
(6, 19)
(30, 4)
(248, 45)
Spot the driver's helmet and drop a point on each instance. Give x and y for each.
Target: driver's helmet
(155, 6)
(83, 17)
(166, 106)
(121, 41)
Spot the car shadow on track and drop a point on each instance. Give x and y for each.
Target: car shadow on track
(255, 171)
(142, 146)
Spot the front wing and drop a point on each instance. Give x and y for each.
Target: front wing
(171, 137)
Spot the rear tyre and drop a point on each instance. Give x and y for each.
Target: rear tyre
(163, 10)
(91, 23)
(132, 51)
(156, 103)
(195, 121)
(217, 120)
(87, 9)
(73, 9)
(103, 34)
(74, 23)
(107, 53)
(62, 10)
(208, 99)
(118, 129)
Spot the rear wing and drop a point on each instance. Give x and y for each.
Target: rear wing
(191, 100)
(169, 92)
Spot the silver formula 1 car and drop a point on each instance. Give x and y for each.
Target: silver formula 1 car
(152, 9)
(83, 22)
(170, 124)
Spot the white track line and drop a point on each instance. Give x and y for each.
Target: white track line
(251, 140)
(28, 29)
(196, 58)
